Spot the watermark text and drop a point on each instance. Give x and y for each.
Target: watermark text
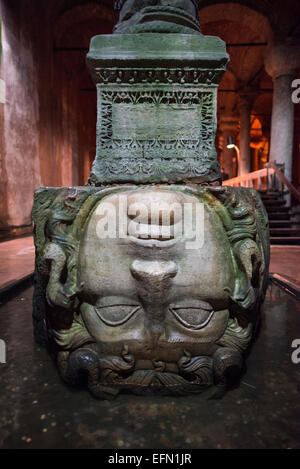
(2, 352)
(296, 353)
(296, 93)
(159, 221)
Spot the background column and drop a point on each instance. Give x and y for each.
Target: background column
(228, 127)
(281, 63)
(245, 107)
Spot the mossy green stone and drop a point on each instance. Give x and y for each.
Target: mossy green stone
(157, 100)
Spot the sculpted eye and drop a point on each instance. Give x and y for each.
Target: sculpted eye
(193, 316)
(116, 315)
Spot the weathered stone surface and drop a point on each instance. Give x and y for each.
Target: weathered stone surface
(156, 107)
(263, 412)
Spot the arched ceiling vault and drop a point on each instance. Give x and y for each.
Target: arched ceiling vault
(282, 16)
(83, 20)
(246, 32)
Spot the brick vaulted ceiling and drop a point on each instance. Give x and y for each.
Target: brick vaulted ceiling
(247, 27)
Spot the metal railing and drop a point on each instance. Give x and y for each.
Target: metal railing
(270, 178)
(257, 179)
(280, 179)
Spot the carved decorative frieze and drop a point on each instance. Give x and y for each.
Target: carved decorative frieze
(155, 134)
(156, 107)
(157, 76)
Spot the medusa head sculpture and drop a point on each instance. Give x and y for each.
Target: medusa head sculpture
(151, 311)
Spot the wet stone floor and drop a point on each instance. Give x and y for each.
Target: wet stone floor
(38, 411)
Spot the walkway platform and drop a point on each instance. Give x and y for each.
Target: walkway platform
(285, 268)
(16, 262)
(285, 260)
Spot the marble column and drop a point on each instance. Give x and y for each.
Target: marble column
(281, 63)
(228, 127)
(245, 106)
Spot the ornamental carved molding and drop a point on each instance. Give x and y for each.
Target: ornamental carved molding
(155, 133)
(157, 76)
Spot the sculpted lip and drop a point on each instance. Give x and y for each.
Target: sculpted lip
(153, 243)
(143, 238)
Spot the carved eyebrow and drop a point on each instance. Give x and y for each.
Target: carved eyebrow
(107, 301)
(118, 322)
(191, 303)
(111, 305)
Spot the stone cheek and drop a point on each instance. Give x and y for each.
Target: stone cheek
(158, 301)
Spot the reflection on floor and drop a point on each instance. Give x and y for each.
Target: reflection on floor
(285, 260)
(38, 411)
(16, 261)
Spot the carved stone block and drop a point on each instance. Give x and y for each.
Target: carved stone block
(156, 107)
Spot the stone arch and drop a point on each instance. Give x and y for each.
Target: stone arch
(236, 12)
(262, 103)
(227, 98)
(80, 14)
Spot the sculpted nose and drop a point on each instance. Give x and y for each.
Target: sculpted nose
(153, 278)
(153, 282)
